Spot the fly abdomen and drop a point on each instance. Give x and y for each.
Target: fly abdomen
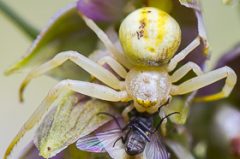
(135, 143)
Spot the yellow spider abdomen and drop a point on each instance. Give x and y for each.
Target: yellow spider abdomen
(149, 36)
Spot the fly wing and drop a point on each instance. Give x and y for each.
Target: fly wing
(155, 149)
(90, 144)
(117, 151)
(98, 142)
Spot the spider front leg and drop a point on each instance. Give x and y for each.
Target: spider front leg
(107, 42)
(117, 67)
(181, 55)
(88, 65)
(125, 113)
(86, 88)
(89, 89)
(207, 79)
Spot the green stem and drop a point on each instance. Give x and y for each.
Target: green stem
(25, 27)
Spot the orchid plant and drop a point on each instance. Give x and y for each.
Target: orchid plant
(74, 115)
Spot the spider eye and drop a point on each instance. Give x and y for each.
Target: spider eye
(149, 36)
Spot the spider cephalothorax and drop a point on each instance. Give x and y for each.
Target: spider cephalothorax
(150, 38)
(149, 87)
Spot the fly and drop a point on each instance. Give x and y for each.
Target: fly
(139, 136)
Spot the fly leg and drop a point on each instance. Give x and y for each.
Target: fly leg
(114, 118)
(167, 102)
(161, 121)
(123, 139)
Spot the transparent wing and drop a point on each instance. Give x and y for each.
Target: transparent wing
(155, 149)
(90, 144)
(108, 141)
(98, 142)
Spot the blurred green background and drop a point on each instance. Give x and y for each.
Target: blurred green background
(223, 27)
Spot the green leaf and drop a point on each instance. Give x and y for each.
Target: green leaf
(65, 31)
(69, 121)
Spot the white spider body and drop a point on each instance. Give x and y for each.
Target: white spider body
(149, 87)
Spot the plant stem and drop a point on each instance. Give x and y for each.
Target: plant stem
(21, 23)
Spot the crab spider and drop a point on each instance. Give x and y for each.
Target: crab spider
(149, 44)
(150, 38)
(148, 59)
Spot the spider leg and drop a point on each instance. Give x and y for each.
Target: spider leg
(107, 42)
(207, 79)
(89, 89)
(86, 88)
(182, 54)
(126, 111)
(116, 66)
(88, 65)
(182, 71)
